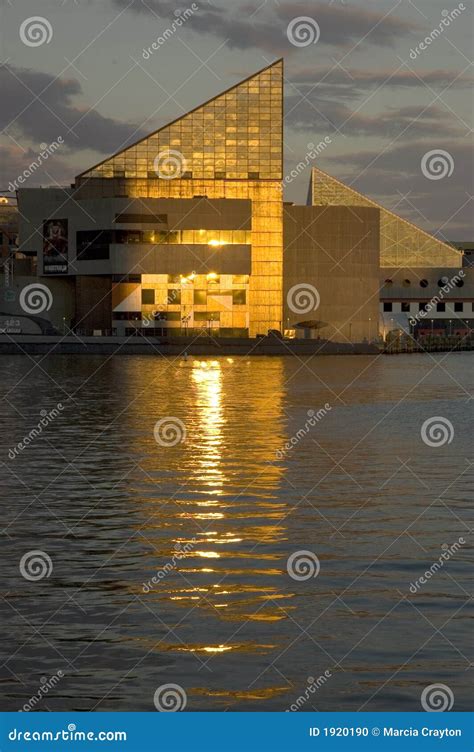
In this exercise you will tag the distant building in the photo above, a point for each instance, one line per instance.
(8, 226)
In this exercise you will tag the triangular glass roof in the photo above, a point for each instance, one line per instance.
(236, 135)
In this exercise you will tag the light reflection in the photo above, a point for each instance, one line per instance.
(206, 377)
(208, 554)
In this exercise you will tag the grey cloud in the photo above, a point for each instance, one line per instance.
(317, 115)
(54, 112)
(353, 83)
(264, 25)
(15, 162)
(347, 25)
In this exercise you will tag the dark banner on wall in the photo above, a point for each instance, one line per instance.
(55, 246)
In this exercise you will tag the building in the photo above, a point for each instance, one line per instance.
(422, 288)
(427, 302)
(185, 232)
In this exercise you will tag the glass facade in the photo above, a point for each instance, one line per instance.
(236, 136)
(216, 303)
(230, 147)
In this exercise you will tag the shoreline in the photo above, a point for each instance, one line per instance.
(39, 345)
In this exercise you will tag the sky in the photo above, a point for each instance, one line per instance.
(394, 112)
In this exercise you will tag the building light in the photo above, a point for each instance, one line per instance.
(217, 243)
(211, 276)
(189, 278)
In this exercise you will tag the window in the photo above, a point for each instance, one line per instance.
(442, 281)
(458, 307)
(406, 283)
(148, 297)
(240, 279)
(174, 279)
(174, 297)
(127, 315)
(239, 297)
(440, 307)
(93, 244)
(389, 282)
(387, 307)
(405, 308)
(421, 306)
(423, 283)
(207, 316)
(200, 297)
(171, 316)
(459, 282)
(126, 277)
(128, 236)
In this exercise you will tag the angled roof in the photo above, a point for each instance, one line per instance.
(236, 134)
(402, 244)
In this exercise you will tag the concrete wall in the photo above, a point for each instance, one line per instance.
(39, 293)
(37, 205)
(93, 303)
(334, 250)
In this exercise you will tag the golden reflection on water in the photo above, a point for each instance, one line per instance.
(206, 379)
(227, 510)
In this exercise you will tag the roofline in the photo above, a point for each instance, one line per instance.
(172, 122)
(381, 206)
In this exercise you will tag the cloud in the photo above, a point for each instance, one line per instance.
(39, 107)
(351, 84)
(264, 26)
(348, 25)
(316, 115)
(16, 161)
